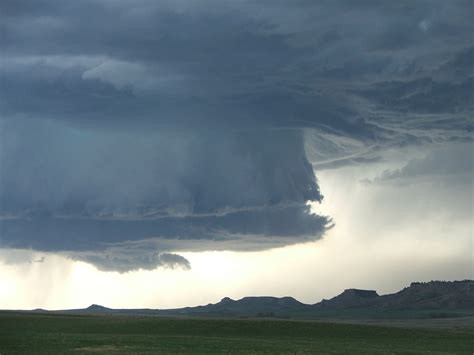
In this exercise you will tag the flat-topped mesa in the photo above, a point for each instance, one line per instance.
(445, 284)
(351, 297)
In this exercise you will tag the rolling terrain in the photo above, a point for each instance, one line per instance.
(435, 299)
(434, 317)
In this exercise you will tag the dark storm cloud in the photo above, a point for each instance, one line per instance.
(196, 125)
(64, 171)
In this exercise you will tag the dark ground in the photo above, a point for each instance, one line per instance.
(56, 334)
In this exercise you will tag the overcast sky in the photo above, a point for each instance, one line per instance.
(232, 147)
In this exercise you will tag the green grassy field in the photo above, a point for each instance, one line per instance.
(56, 334)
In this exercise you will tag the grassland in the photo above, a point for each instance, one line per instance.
(57, 334)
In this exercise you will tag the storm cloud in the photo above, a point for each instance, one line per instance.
(130, 131)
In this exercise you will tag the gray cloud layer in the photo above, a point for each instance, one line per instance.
(195, 126)
(452, 162)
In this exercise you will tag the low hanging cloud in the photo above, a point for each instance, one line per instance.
(59, 194)
(180, 126)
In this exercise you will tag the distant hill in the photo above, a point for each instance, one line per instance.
(420, 300)
(349, 298)
(429, 295)
(95, 308)
(247, 306)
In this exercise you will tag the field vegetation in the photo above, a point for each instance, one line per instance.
(57, 333)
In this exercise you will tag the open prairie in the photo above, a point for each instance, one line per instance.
(56, 334)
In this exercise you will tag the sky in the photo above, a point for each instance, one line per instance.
(166, 154)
